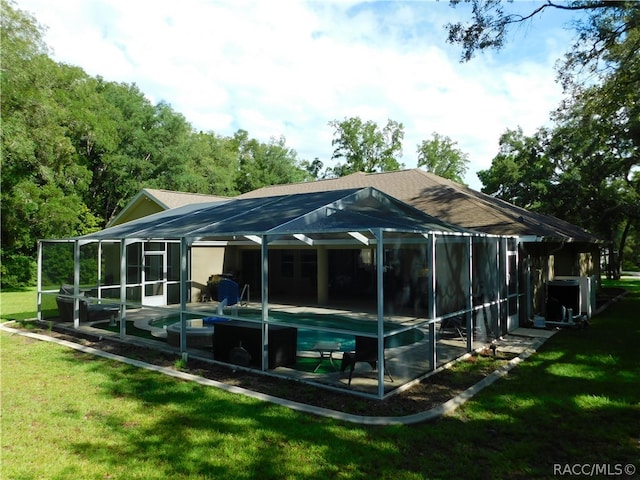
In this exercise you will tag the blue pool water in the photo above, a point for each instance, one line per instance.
(309, 337)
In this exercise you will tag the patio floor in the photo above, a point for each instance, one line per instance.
(405, 363)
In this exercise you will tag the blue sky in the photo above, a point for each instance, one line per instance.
(288, 67)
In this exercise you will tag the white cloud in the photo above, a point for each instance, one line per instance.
(289, 67)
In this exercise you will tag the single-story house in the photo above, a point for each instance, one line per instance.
(549, 248)
(354, 273)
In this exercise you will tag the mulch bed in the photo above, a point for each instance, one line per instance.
(428, 393)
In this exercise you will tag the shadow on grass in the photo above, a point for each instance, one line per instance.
(195, 430)
(575, 401)
(16, 289)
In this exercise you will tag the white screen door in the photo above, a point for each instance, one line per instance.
(154, 292)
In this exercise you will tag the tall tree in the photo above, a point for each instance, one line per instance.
(314, 169)
(521, 173)
(605, 23)
(595, 143)
(596, 146)
(212, 165)
(263, 164)
(441, 156)
(42, 182)
(365, 147)
(120, 172)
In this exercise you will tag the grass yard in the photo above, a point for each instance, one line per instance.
(67, 415)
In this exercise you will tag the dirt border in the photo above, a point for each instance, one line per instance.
(430, 398)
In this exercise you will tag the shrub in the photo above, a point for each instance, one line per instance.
(17, 270)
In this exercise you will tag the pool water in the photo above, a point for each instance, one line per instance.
(307, 338)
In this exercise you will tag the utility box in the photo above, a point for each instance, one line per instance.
(562, 296)
(588, 288)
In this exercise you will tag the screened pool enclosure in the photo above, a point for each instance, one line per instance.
(351, 290)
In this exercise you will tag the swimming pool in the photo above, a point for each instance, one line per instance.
(308, 337)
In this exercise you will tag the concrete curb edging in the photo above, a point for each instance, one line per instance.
(431, 414)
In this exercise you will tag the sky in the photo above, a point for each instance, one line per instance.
(289, 67)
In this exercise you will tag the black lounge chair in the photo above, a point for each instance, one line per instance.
(455, 325)
(89, 312)
(366, 351)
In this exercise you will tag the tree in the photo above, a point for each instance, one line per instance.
(597, 147)
(365, 147)
(314, 169)
(42, 183)
(594, 146)
(605, 24)
(441, 156)
(212, 165)
(586, 169)
(263, 164)
(521, 173)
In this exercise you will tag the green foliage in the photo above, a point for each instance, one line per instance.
(265, 164)
(522, 172)
(441, 156)
(314, 169)
(585, 168)
(16, 270)
(76, 149)
(603, 25)
(365, 147)
(606, 45)
(211, 165)
(57, 263)
(597, 140)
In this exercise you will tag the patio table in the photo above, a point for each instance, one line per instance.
(113, 311)
(326, 349)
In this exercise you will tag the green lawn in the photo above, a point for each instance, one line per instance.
(67, 415)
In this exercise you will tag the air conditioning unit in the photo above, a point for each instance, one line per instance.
(587, 285)
(563, 301)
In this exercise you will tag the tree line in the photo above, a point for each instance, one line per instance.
(76, 148)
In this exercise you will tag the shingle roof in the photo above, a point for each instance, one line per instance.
(159, 200)
(170, 199)
(446, 200)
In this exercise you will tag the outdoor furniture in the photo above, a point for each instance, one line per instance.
(366, 351)
(248, 335)
(89, 311)
(326, 349)
(113, 311)
(453, 324)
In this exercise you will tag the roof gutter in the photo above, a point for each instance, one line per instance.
(530, 239)
(542, 239)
